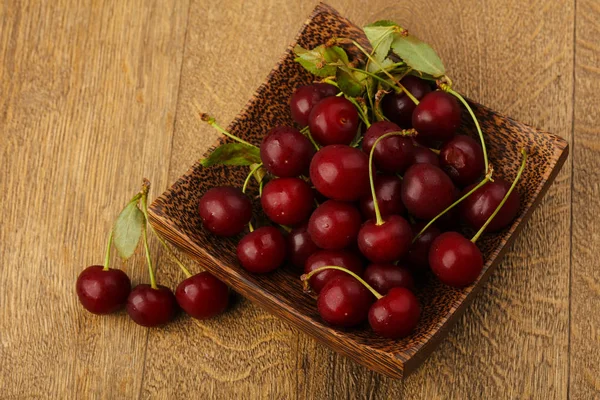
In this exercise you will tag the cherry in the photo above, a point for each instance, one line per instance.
(418, 254)
(334, 120)
(424, 155)
(285, 152)
(323, 258)
(396, 314)
(427, 191)
(262, 250)
(102, 291)
(344, 302)
(383, 277)
(287, 201)
(462, 159)
(393, 154)
(306, 97)
(300, 246)
(225, 210)
(334, 225)
(479, 206)
(387, 241)
(151, 307)
(455, 260)
(340, 172)
(202, 296)
(388, 192)
(436, 118)
(398, 107)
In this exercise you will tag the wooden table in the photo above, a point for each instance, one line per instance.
(95, 95)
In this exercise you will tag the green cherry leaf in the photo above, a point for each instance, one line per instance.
(382, 22)
(349, 82)
(418, 55)
(128, 228)
(232, 154)
(315, 60)
(381, 38)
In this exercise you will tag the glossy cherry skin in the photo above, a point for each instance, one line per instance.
(287, 201)
(396, 314)
(151, 307)
(424, 155)
(388, 193)
(300, 246)
(262, 250)
(333, 120)
(383, 277)
(436, 118)
(387, 242)
(392, 154)
(225, 210)
(455, 260)
(340, 172)
(102, 292)
(427, 191)
(462, 159)
(481, 204)
(418, 254)
(344, 302)
(339, 258)
(306, 97)
(398, 107)
(202, 296)
(334, 225)
(285, 152)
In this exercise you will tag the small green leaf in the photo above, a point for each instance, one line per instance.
(349, 82)
(232, 154)
(336, 53)
(128, 228)
(381, 38)
(314, 61)
(418, 55)
(259, 174)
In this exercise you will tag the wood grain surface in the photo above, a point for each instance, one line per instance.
(96, 95)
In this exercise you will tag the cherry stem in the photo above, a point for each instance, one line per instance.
(406, 132)
(108, 247)
(436, 151)
(252, 171)
(485, 180)
(211, 121)
(361, 112)
(510, 190)
(306, 131)
(306, 277)
(146, 247)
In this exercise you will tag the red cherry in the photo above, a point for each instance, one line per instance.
(383, 277)
(262, 250)
(333, 120)
(306, 97)
(225, 210)
(202, 296)
(344, 302)
(398, 107)
(340, 172)
(392, 154)
(418, 254)
(338, 258)
(436, 118)
(455, 260)
(481, 204)
(102, 292)
(287, 201)
(151, 307)
(386, 242)
(427, 191)
(425, 155)
(285, 152)
(462, 159)
(388, 192)
(300, 246)
(334, 225)
(396, 314)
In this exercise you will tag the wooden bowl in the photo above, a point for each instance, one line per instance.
(175, 215)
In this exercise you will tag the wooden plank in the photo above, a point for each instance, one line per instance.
(87, 108)
(585, 277)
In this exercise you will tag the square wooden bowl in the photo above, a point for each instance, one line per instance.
(175, 215)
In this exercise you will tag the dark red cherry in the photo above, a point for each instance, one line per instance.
(306, 97)
(340, 172)
(344, 302)
(225, 210)
(285, 152)
(151, 307)
(462, 159)
(389, 199)
(396, 314)
(424, 155)
(455, 260)
(334, 225)
(427, 191)
(436, 118)
(481, 204)
(300, 246)
(418, 254)
(392, 154)
(383, 277)
(262, 250)
(398, 107)
(338, 258)
(386, 242)
(334, 120)
(287, 201)
(202, 296)
(102, 292)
